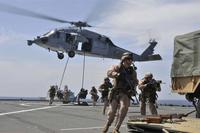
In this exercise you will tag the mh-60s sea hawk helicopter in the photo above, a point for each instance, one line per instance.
(78, 40)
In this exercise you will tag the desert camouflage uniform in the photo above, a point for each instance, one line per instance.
(52, 93)
(94, 96)
(82, 94)
(121, 92)
(104, 89)
(148, 93)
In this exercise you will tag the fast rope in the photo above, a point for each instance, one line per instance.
(83, 75)
(63, 74)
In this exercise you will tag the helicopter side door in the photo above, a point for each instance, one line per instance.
(71, 40)
(87, 46)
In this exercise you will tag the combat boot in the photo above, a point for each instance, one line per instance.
(115, 131)
(105, 129)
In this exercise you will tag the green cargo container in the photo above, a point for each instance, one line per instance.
(185, 71)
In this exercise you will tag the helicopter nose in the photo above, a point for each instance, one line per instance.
(40, 40)
(44, 39)
(29, 42)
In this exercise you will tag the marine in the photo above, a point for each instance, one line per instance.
(125, 81)
(148, 87)
(66, 94)
(52, 93)
(94, 95)
(104, 90)
(81, 95)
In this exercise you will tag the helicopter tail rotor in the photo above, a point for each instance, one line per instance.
(148, 54)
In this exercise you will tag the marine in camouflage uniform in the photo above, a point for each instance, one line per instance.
(52, 93)
(148, 87)
(66, 94)
(104, 90)
(82, 95)
(94, 96)
(121, 93)
(60, 94)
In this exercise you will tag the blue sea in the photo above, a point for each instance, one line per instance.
(2, 98)
(175, 102)
(161, 102)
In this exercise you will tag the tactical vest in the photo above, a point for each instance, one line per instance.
(121, 82)
(83, 93)
(105, 88)
(52, 92)
(149, 91)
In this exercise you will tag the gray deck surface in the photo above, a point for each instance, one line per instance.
(38, 117)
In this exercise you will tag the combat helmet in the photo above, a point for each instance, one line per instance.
(126, 55)
(148, 75)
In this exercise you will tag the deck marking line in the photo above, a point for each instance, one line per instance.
(86, 128)
(24, 104)
(28, 110)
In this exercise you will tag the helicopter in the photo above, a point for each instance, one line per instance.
(76, 39)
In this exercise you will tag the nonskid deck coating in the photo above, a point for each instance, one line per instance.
(38, 117)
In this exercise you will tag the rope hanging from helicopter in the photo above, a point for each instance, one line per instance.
(83, 74)
(63, 74)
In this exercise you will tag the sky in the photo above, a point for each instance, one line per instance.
(30, 70)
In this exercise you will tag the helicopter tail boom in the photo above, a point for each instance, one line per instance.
(151, 57)
(148, 54)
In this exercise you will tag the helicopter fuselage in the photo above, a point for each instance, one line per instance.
(85, 42)
(77, 40)
(80, 41)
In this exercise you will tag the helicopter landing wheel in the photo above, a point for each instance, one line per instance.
(71, 54)
(60, 55)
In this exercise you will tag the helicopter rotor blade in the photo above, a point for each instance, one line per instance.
(24, 12)
(101, 10)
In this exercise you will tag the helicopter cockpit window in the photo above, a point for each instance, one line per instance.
(109, 41)
(49, 33)
(44, 39)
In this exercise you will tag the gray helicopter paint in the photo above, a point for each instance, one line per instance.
(70, 39)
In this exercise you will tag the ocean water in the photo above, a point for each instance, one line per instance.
(22, 98)
(161, 102)
(175, 102)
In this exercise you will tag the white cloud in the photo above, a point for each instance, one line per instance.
(141, 20)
